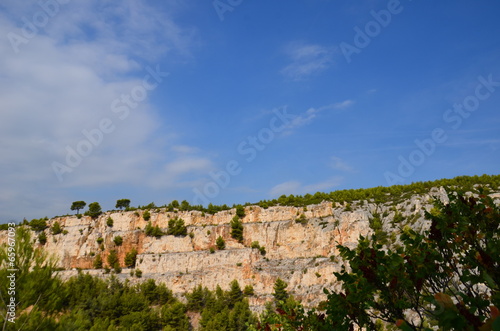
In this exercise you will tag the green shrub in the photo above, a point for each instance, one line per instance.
(39, 224)
(42, 238)
(237, 229)
(109, 222)
(146, 215)
(153, 231)
(255, 244)
(248, 290)
(221, 243)
(100, 240)
(302, 219)
(98, 262)
(138, 273)
(118, 240)
(176, 227)
(56, 228)
(130, 258)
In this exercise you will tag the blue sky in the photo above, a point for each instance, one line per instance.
(238, 101)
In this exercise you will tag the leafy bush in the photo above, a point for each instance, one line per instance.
(118, 240)
(109, 222)
(94, 210)
(146, 215)
(98, 262)
(426, 275)
(240, 211)
(220, 243)
(248, 290)
(237, 229)
(42, 238)
(56, 228)
(130, 258)
(176, 227)
(301, 219)
(39, 224)
(153, 231)
(255, 244)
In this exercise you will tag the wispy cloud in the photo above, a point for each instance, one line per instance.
(312, 113)
(338, 164)
(306, 60)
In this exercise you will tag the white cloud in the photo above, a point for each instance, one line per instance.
(338, 164)
(63, 81)
(306, 60)
(312, 113)
(296, 187)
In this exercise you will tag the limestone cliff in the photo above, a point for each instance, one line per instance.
(304, 254)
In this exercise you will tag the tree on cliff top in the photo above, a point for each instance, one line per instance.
(94, 210)
(77, 205)
(122, 203)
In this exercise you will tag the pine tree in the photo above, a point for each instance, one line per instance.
(237, 229)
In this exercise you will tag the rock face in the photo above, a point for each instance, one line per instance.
(304, 254)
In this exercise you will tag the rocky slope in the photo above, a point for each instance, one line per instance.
(304, 254)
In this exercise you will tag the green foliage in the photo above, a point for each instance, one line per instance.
(237, 229)
(98, 262)
(221, 310)
(176, 227)
(39, 224)
(240, 211)
(113, 259)
(220, 243)
(280, 293)
(291, 316)
(122, 203)
(255, 244)
(138, 273)
(262, 250)
(434, 274)
(56, 228)
(301, 219)
(100, 240)
(42, 238)
(109, 222)
(174, 317)
(37, 294)
(130, 258)
(94, 210)
(248, 290)
(118, 240)
(146, 215)
(77, 205)
(153, 231)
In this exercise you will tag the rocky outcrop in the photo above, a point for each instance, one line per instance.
(304, 254)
